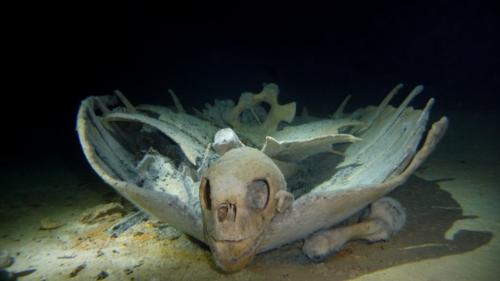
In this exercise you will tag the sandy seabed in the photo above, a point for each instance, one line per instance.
(452, 232)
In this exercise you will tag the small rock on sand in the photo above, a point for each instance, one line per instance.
(48, 224)
(6, 259)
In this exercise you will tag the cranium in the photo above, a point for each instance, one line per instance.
(239, 204)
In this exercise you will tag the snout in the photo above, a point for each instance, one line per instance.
(232, 256)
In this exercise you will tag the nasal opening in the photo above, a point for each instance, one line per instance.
(226, 212)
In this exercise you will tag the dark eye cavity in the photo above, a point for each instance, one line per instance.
(258, 194)
(205, 197)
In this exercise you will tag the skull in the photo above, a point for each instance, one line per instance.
(240, 194)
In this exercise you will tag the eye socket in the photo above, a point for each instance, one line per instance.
(258, 194)
(205, 196)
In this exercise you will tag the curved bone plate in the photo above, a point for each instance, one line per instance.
(375, 166)
(381, 155)
(115, 165)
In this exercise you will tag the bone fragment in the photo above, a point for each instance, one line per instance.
(380, 109)
(126, 223)
(204, 162)
(125, 101)
(101, 212)
(225, 140)
(102, 106)
(110, 149)
(177, 102)
(285, 200)
(340, 110)
(386, 100)
(191, 146)
(278, 113)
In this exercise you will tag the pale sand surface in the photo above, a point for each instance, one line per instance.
(464, 167)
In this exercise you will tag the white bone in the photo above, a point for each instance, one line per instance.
(285, 200)
(372, 167)
(387, 217)
(177, 102)
(225, 140)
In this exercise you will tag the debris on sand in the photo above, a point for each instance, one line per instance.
(126, 223)
(77, 270)
(102, 212)
(49, 224)
(102, 275)
(167, 232)
(13, 276)
(66, 257)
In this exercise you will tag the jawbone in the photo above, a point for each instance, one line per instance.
(232, 256)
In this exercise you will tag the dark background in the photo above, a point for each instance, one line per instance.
(316, 53)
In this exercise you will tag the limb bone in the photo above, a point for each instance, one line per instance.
(386, 218)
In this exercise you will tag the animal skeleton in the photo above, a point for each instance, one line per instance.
(322, 180)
